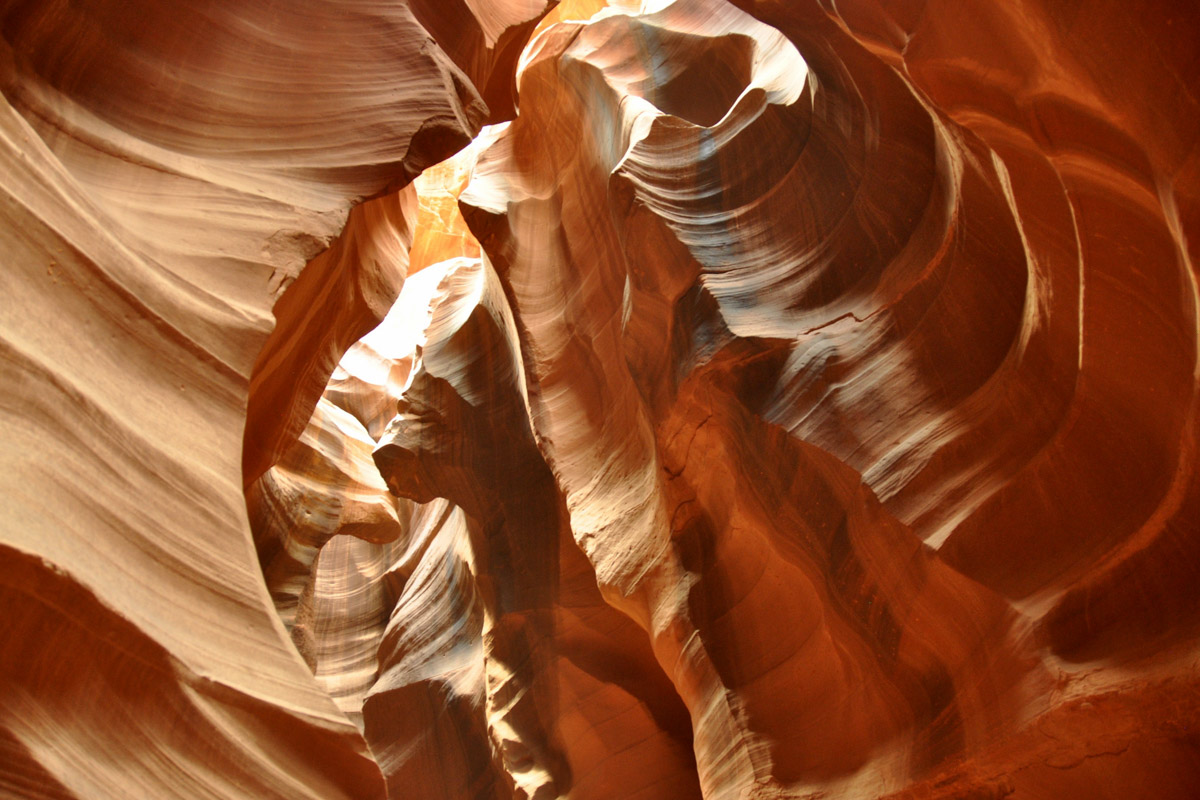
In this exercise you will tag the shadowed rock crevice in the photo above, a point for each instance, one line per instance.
(653, 400)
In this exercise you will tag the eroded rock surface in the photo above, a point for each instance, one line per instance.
(166, 171)
(791, 400)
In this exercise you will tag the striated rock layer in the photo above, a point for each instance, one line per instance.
(791, 400)
(166, 171)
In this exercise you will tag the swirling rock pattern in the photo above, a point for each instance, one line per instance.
(803, 403)
(167, 170)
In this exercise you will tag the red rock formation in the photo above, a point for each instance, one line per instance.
(804, 403)
(167, 169)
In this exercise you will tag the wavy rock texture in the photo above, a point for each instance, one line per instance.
(803, 403)
(833, 314)
(167, 170)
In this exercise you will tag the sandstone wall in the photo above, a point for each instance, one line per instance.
(790, 400)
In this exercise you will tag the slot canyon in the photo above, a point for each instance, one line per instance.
(645, 399)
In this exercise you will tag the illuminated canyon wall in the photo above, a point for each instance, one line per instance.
(764, 400)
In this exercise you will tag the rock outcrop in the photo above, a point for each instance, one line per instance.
(771, 400)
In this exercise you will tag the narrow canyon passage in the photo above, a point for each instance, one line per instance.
(666, 399)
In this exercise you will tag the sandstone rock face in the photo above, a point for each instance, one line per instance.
(167, 170)
(788, 400)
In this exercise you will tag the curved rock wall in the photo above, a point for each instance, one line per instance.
(803, 403)
(166, 170)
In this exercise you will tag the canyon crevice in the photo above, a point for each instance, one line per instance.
(509, 399)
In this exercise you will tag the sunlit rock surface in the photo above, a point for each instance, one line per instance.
(167, 169)
(791, 400)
